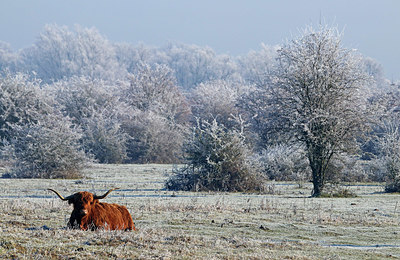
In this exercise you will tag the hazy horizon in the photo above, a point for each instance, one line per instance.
(227, 26)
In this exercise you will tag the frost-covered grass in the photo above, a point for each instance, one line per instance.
(283, 224)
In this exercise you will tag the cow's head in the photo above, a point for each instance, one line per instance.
(82, 201)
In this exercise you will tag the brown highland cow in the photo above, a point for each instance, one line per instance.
(89, 213)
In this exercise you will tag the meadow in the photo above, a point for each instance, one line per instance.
(285, 223)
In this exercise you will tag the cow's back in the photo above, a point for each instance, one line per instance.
(126, 216)
(111, 216)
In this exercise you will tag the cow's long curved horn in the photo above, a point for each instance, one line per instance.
(61, 197)
(105, 194)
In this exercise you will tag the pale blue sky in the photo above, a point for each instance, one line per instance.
(228, 26)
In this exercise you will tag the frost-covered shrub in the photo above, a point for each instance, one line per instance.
(285, 163)
(48, 149)
(218, 160)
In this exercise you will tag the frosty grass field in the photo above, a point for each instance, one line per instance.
(285, 223)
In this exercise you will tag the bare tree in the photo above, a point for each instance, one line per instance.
(316, 97)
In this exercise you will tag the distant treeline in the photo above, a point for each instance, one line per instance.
(74, 96)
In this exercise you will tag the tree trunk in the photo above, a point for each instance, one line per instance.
(318, 167)
(318, 182)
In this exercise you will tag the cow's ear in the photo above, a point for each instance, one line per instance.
(94, 201)
(71, 201)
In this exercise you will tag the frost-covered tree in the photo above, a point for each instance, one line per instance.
(60, 53)
(155, 139)
(8, 58)
(193, 64)
(21, 102)
(385, 139)
(131, 57)
(190, 64)
(154, 88)
(104, 137)
(376, 72)
(390, 146)
(37, 142)
(316, 97)
(159, 114)
(256, 67)
(92, 105)
(217, 100)
(80, 97)
(257, 109)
